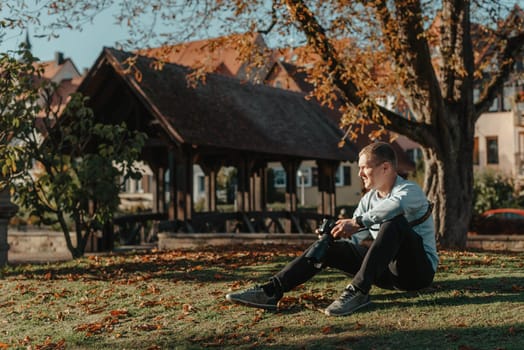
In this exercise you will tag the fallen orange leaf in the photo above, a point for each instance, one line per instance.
(326, 329)
(119, 313)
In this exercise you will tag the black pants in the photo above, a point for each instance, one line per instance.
(395, 260)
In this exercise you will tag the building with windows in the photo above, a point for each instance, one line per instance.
(499, 132)
(499, 143)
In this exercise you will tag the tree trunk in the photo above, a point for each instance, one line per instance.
(449, 185)
(75, 253)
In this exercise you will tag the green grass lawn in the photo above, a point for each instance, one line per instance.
(175, 300)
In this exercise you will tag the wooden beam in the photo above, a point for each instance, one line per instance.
(326, 186)
(291, 168)
(210, 167)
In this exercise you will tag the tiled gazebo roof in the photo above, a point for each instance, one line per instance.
(225, 113)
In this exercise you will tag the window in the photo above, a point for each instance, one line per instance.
(476, 151)
(314, 172)
(476, 95)
(414, 154)
(139, 187)
(279, 179)
(306, 175)
(495, 105)
(201, 183)
(343, 176)
(167, 184)
(509, 95)
(492, 149)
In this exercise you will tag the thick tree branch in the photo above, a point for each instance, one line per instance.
(405, 38)
(318, 39)
(450, 35)
(421, 133)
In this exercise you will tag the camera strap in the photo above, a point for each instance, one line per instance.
(423, 217)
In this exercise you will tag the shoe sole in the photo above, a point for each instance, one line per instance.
(247, 303)
(349, 312)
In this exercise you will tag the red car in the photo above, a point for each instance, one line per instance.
(500, 221)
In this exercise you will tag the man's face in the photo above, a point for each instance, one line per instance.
(372, 173)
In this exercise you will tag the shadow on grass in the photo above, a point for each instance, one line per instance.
(356, 335)
(495, 289)
(201, 268)
(217, 268)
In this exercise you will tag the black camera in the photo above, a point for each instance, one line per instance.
(317, 252)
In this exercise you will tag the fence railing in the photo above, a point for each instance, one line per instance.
(143, 228)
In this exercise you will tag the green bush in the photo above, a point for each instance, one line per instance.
(492, 190)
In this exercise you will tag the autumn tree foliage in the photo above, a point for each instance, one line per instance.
(429, 56)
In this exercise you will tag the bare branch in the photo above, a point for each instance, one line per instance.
(514, 46)
(274, 19)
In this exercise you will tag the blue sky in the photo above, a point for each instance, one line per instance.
(83, 47)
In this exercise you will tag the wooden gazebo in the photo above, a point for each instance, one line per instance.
(214, 122)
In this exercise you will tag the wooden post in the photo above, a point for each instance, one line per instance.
(171, 205)
(211, 167)
(291, 168)
(7, 210)
(243, 186)
(326, 186)
(258, 190)
(184, 188)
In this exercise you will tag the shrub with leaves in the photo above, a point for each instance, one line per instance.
(492, 190)
(60, 162)
(18, 106)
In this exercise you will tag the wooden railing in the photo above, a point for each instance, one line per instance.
(143, 228)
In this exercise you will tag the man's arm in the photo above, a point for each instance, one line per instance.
(407, 199)
(346, 228)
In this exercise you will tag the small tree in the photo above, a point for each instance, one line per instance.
(62, 164)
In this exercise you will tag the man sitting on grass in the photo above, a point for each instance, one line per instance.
(389, 242)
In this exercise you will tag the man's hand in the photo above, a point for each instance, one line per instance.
(345, 228)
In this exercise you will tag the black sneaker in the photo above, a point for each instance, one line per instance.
(350, 301)
(255, 297)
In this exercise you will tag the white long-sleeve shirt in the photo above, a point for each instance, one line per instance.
(406, 198)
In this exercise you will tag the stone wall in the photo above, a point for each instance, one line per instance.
(167, 241)
(508, 243)
(37, 246)
(38, 241)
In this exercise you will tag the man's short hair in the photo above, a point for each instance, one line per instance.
(380, 152)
